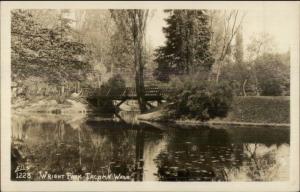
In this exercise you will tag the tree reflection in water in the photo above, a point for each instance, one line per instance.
(196, 155)
(208, 154)
(92, 147)
(56, 147)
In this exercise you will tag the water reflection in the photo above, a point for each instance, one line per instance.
(208, 154)
(120, 148)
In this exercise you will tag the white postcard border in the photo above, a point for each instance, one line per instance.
(8, 185)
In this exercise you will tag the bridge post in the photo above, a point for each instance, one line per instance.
(159, 102)
(149, 104)
(121, 102)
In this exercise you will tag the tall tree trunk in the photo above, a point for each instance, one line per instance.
(135, 20)
(139, 71)
(256, 83)
(218, 71)
(98, 82)
(244, 87)
(138, 27)
(62, 90)
(256, 87)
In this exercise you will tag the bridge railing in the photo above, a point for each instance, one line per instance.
(150, 91)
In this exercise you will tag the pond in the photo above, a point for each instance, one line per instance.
(47, 147)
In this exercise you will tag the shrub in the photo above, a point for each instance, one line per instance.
(271, 87)
(273, 74)
(199, 99)
(114, 85)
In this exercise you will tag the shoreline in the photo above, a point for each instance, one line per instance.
(245, 111)
(72, 106)
(235, 123)
(50, 106)
(212, 122)
(179, 122)
(192, 122)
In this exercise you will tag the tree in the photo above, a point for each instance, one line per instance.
(263, 72)
(261, 44)
(238, 75)
(96, 28)
(272, 72)
(225, 26)
(50, 53)
(239, 49)
(134, 21)
(122, 50)
(187, 46)
(241, 67)
(194, 98)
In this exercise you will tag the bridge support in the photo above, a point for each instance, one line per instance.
(159, 102)
(121, 102)
(104, 99)
(150, 105)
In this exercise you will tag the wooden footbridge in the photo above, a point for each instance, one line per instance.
(151, 93)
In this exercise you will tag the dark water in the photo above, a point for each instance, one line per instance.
(58, 147)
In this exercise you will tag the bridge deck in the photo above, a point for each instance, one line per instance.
(150, 93)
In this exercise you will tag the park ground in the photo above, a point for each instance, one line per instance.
(244, 111)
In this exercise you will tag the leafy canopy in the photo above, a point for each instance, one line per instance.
(50, 53)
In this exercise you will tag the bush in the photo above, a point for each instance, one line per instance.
(273, 74)
(271, 87)
(114, 85)
(200, 99)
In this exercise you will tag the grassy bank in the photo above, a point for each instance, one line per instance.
(260, 110)
(245, 111)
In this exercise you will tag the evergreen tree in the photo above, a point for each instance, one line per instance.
(187, 45)
(50, 53)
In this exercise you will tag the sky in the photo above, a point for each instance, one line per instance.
(278, 22)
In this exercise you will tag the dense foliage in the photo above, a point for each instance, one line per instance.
(53, 54)
(187, 45)
(267, 75)
(273, 74)
(113, 86)
(50, 53)
(187, 56)
(201, 100)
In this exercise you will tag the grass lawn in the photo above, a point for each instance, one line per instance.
(260, 109)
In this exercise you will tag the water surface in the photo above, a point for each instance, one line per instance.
(120, 148)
